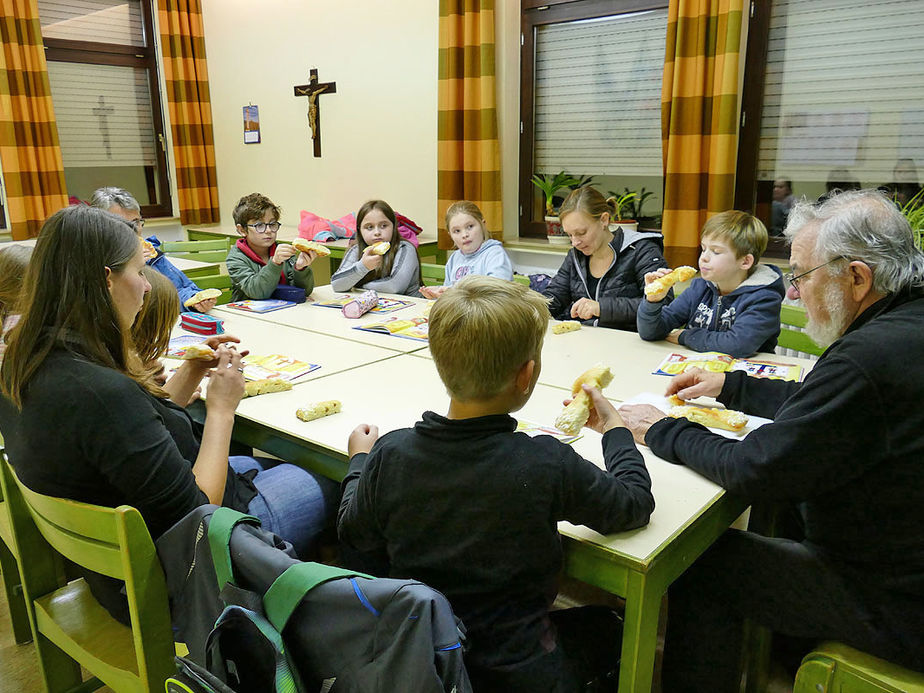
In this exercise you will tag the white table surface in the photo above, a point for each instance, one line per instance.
(396, 397)
(333, 355)
(331, 322)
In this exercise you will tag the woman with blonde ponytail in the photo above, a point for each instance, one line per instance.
(602, 280)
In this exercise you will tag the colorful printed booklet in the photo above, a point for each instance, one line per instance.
(533, 429)
(275, 366)
(178, 344)
(264, 306)
(721, 363)
(385, 305)
(412, 328)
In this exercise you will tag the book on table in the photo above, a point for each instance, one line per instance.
(411, 328)
(717, 362)
(276, 366)
(260, 306)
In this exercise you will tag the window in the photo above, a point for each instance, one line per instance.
(103, 73)
(837, 88)
(591, 74)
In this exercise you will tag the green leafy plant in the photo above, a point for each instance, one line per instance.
(630, 202)
(549, 185)
(581, 182)
(914, 213)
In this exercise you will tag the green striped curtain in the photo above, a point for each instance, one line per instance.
(699, 117)
(30, 152)
(468, 158)
(190, 108)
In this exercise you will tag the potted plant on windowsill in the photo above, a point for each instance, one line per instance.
(549, 185)
(914, 213)
(625, 210)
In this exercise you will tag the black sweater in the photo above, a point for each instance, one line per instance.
(471, 508)
(848, 444)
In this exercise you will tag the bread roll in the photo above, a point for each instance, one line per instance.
(680, 274)
(318, 409)
(711, 417)
(199, 351)
(303, 246)
(575, 415)
(203, 295)
(381, 247)
(262, 387)
(148, 247)
(566, 326)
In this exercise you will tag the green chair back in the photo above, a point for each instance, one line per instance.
(203, 251)
(217, 281)
(794, 316)
(432, 274)
(70, 627)
(836, 667)
(9, 567)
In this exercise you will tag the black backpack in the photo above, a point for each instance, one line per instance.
(341, 631)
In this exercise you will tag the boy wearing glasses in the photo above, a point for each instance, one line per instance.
(122, 203)
(733, 306)
(256, 263)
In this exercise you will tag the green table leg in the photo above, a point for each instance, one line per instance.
(640, 636)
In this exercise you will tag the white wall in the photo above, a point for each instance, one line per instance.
(378, 131)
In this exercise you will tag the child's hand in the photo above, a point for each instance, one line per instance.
(432, 291)
(283, 252)
(370, 259)
(674, 336)
(585, 309)
(652, 276)
(206, 305)
(603, 415)
(362, 439)
(305, 259)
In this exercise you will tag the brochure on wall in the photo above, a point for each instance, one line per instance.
(264, 306)
(178, 345)
(413, 328)
(722, 363)
(385, 305)
(276, 366)
(533, 429)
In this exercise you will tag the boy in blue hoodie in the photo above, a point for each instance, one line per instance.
(734, 306)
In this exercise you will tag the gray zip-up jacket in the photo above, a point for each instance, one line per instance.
(620, 289)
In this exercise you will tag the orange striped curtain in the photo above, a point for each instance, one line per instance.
(468, 159)
(699, 115)
(30, 153)
(190, 108)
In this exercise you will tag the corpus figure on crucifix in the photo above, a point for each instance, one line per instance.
(312, 90)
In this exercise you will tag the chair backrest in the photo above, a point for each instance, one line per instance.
(794, 316)
(204, 251)
(217, 281)
(9, 567)
(110, 541)
(432, 274)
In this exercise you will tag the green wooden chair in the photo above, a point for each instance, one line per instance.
(70, 627)
(203, 251)
(835, 667)
(794, 316)
(216, 281)
(9, 567)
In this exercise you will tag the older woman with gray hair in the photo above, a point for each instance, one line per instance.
(120, 202)
(846, 445)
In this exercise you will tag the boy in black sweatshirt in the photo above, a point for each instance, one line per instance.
(467, 505)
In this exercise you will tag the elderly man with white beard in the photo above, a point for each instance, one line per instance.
(846, 445)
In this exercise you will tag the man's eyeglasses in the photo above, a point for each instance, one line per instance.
(794, 280)
(263, 227)
(137, 223)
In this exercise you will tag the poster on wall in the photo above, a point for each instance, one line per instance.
(251, 125)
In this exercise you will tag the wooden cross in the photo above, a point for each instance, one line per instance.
(312, 90)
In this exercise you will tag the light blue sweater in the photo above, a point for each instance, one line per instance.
(490, 259)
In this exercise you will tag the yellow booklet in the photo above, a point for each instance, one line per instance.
(412, 328)
(721, 363)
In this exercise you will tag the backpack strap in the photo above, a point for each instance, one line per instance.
(288, 590)
(222, 523)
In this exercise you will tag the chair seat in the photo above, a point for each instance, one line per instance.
(74, 621)
(835, 667)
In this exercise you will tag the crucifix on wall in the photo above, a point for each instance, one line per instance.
(313, 90)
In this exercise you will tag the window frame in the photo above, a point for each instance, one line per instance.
(124, 55)
(536, 13)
